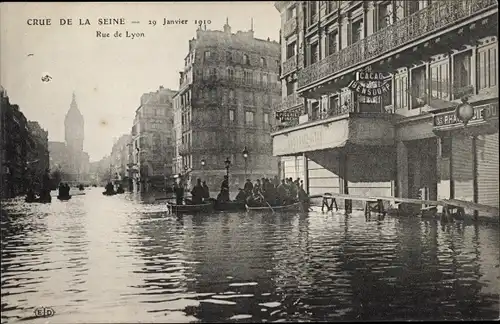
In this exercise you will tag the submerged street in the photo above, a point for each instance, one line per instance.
(118, 259)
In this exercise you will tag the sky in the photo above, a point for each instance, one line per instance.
(108, 75)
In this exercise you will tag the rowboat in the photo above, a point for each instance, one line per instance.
(295, 207)
(229, 206)
(108, 193)
(198, 208)
(64, 197)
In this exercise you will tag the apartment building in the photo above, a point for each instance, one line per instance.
(152, 140)
(370, 90)
(224, 106)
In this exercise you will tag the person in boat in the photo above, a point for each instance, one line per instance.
(224, 191)
(303, 196)
(257, 187)
(248, 188)
(179, 191)
(255, 200)
(198, 193)
(81, 187)
(293, 190)
(241, 197)
(206, 191)
(61, 190)
(282, 192)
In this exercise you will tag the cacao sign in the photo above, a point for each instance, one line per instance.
(363, 79)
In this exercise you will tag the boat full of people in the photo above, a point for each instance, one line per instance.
(110, 190)
(264, 195)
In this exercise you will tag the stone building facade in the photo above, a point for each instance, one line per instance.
(38, 155)
(432, 56)
(152, 141)
(119, 159)
(226, 91)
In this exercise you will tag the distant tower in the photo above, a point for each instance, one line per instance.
(73, 127)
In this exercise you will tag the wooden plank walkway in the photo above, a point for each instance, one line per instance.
(375, 202)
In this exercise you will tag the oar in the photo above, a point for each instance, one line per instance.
(266, 201)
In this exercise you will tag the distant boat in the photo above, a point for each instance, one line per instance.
(108, 193)
(64, 197)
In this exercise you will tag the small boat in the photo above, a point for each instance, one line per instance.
(120, 190)
(64, 197)
(108, 193)
(295, 207)
(199, 208)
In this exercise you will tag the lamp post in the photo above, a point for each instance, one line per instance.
(245, 156)
(185, 175)
(203, 162)
(227, 163)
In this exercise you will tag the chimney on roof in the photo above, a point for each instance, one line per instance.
(161, 87)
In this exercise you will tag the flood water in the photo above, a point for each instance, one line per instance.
(117, 259)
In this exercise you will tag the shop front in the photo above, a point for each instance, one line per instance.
(350, 154)
(468, 157)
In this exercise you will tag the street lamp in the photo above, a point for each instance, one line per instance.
(245, 156)
(203, 162)
(464, 111)
(227, 163)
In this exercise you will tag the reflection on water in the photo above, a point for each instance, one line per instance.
(119, 259)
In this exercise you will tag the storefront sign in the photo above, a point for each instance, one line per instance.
(362, 89)
(370, 76)
(449, 118)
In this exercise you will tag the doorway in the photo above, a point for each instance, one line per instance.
(422, 169)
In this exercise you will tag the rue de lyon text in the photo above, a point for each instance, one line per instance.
(119, 34)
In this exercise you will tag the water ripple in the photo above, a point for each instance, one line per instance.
(124, 259)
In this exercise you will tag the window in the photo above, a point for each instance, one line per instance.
(440, 80)
(229, 56)
(313, 53)
(357, 31)
(264, 78)
(312, 12)
(231, 95)
(245, 59)
(249, 117)
(263, 62)
(231, 115)
(291, 13)
(290, 88)
(334, 105)
(410, 7)
(291, 50)
(487, 67)
(332, 42)
(384, 15)
(462, 74)
(315, 110)
(332, 6)
(401, 91)
(206, 55)
(230, 73)
(418, 87)
(266, 119)
(248, 76)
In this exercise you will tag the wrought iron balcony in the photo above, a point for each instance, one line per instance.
(429, 20)
(290, 27)
(289, 66)
(243, 82)
(289, 102)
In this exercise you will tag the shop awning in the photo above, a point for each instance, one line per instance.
(334, 133)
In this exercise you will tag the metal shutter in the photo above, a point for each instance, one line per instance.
(462, 166)
(487, 169)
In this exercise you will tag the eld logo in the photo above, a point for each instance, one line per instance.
(44, 312)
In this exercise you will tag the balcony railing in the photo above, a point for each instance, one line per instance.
(426, 21)
(289, 102)
(243, 82)
(289, 65)
(290, 27)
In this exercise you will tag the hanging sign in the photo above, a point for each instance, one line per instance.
(364, 84)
